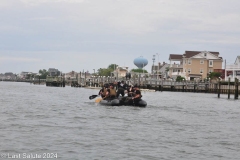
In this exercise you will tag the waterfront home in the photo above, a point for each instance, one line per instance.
(194, 64)
(2, 76)
(79, 77)
(232, 71)
(53, 72)
(160, 70)
(23, 75)
(175, 68)
(120, 72)
(164, 70)
(9, 75)
(71, 75)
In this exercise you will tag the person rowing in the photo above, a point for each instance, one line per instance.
(122, 86)
(103, 91)
(111, 93)
(130, 91)
(136, 96)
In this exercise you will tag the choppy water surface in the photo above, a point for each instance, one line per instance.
(175, 125)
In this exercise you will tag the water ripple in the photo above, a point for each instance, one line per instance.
(174, 125)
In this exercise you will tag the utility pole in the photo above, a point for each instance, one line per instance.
(153, 64)
(158, 66)
(225, 67)
(142, 68)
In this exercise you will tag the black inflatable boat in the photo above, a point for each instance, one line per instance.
(121, 101)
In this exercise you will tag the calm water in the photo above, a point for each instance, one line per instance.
(175, 125)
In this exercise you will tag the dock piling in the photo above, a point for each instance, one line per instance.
(228, 88)
(219, 89)
(236, 88)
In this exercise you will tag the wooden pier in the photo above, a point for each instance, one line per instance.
(217, 87)
(55, 81)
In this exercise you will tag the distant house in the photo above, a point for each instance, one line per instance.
(53, 72)
(71, 75)
(155, 68)
(9, 75)
(163, 71)
(176, 66)
(23, 75)
(2, 76)
(120, 72)
(232, 71)
(194, 64)
(160, 70)
(79, 77)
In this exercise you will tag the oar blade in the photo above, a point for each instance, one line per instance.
(92, 96)
(98, 100)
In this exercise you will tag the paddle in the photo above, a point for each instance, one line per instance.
(92, 96)
(98, 100)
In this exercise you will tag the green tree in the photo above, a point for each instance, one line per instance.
(112, 66)
(104, 72)
(179, 79)
(107, 71)
(139, 70)
(43, 73)
(214, 75)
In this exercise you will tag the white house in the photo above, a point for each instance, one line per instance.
(234, 69)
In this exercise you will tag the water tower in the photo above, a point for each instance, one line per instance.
(140, 62)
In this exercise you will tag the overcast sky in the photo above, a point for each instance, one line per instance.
(91, 34)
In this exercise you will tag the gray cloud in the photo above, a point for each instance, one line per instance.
(81, 34)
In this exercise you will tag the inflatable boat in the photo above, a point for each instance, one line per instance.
(120, 101)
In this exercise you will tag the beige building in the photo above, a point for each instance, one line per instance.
(120, 72)
(71, 75)
(194, 64)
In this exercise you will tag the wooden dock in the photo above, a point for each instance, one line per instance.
(150, 84)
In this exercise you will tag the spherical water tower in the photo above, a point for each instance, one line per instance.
(140, 62)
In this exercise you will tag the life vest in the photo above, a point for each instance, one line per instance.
(112, 92)
(140, 94)
(104, 91)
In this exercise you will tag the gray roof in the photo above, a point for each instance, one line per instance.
(189, 54)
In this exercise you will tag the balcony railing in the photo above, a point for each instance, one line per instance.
(228, 67)
(178, 74)
(232, 78)
(176, 66)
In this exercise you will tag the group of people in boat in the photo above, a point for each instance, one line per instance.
(128, 93)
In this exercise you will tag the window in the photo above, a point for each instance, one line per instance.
(210, 63)
(210, 70)
(205, 54)
(185, 70)
(185, 61)
(189, 70)
(189, 62)
(201, 71)
(201, 61)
